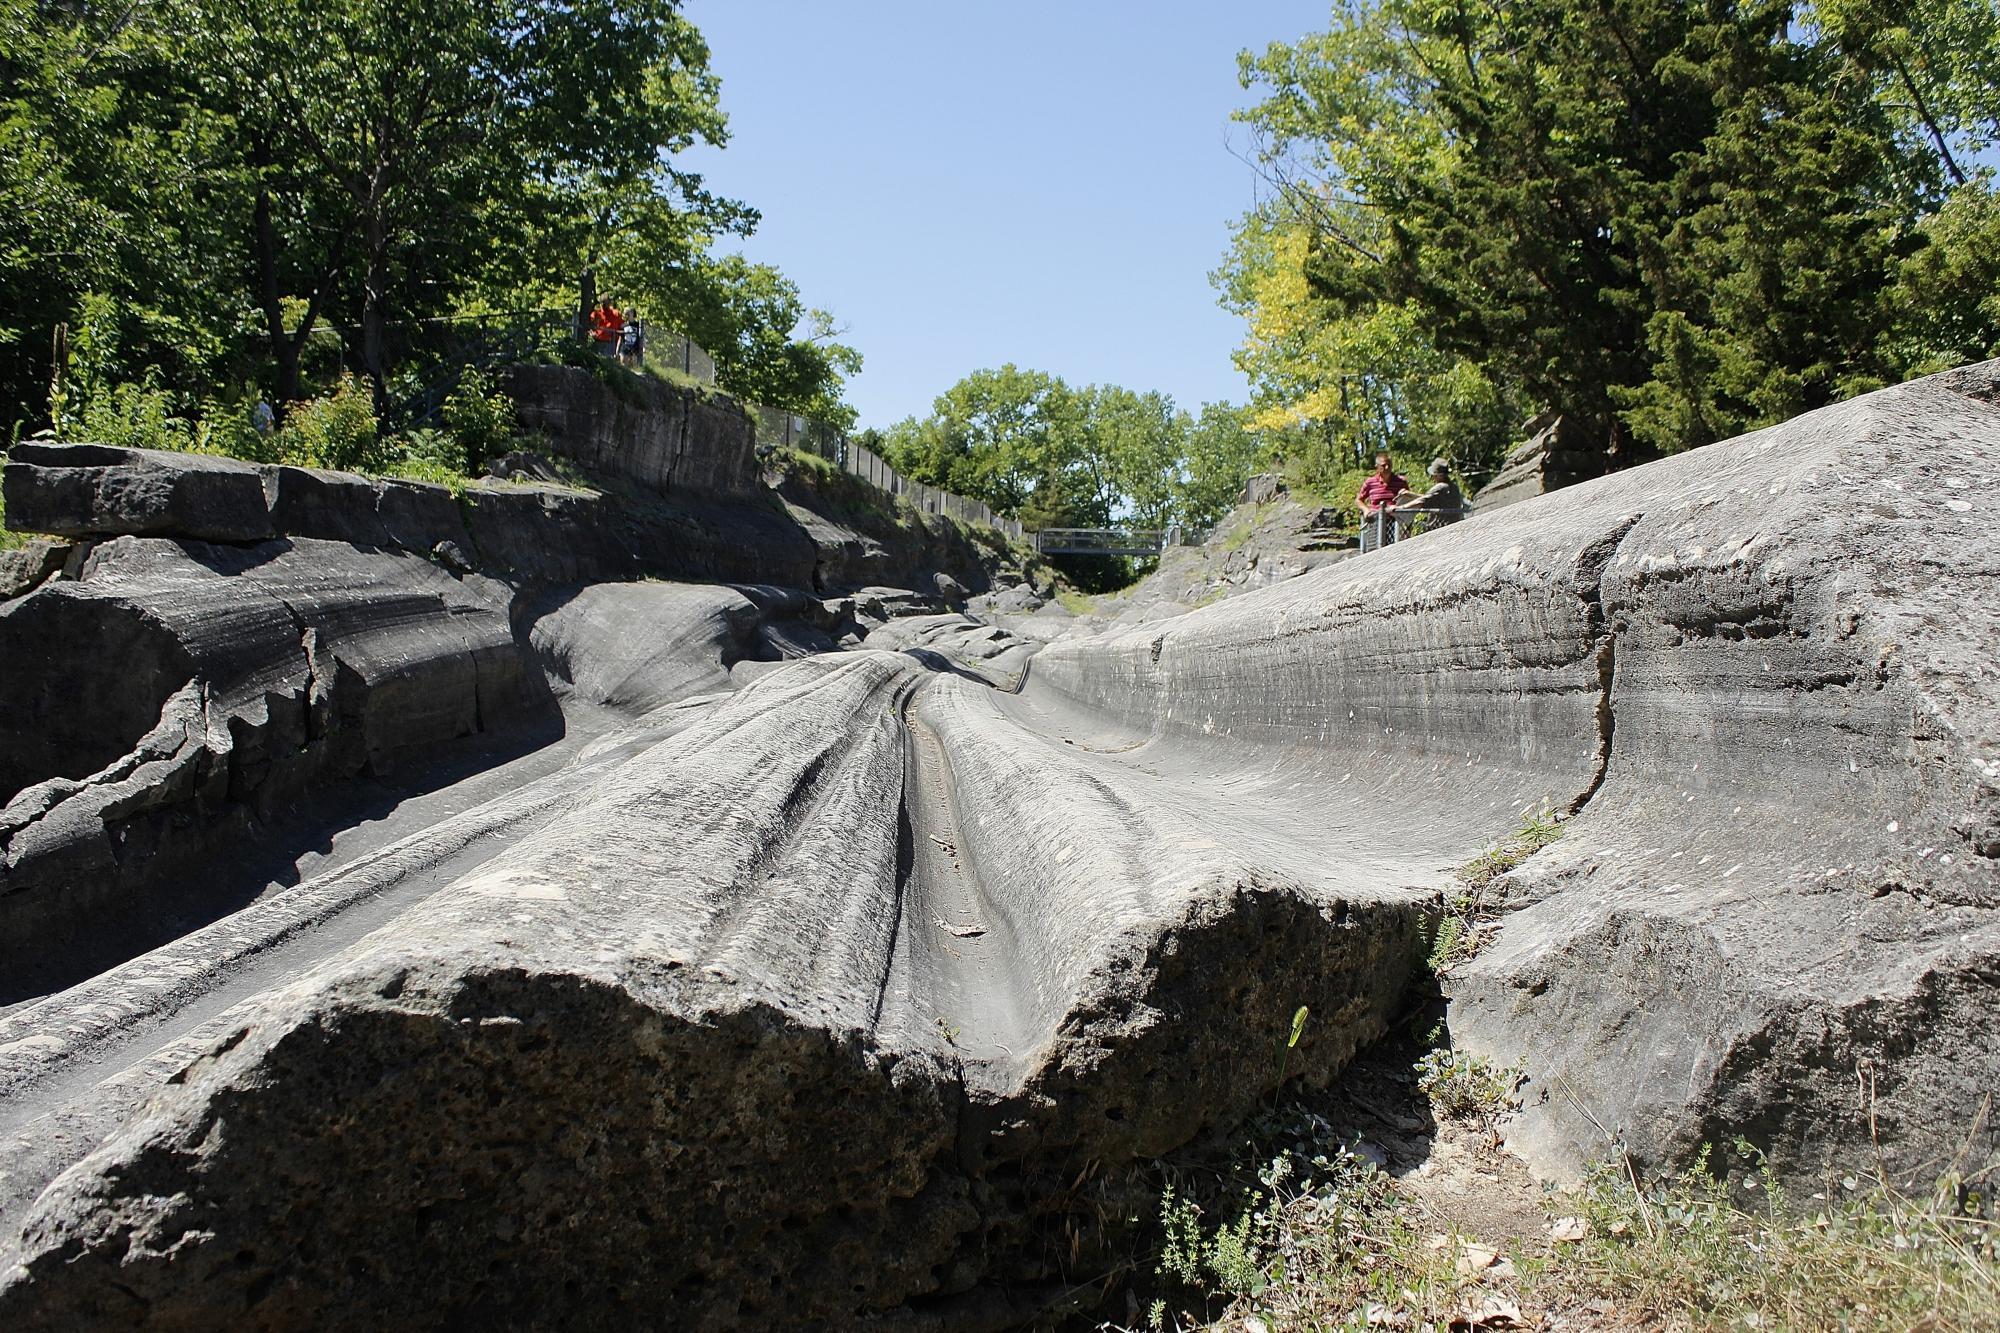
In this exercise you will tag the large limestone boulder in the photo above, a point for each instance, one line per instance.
(89, 490)
(635, 647)
(527, 534)
(661, 436)
(1779, 914)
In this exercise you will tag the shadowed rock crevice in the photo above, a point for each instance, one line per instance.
(1594, 561)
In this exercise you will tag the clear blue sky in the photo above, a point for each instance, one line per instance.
(965, 184)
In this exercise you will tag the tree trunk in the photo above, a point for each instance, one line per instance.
(586, 302)
(284, 348)
(374, 299)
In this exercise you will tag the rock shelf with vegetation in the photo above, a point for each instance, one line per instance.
(792, 984)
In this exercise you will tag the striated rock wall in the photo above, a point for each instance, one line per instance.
(865, 539)
(1762, 676)
(176, 689)
(558, 534)
(641, 429)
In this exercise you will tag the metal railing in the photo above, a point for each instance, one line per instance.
(1115, 541)
(1099, 541)
(813, 437)
(1389, 524)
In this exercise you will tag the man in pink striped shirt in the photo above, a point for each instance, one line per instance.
(1381, 488)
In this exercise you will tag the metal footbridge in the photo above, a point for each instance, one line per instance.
(1112, 541)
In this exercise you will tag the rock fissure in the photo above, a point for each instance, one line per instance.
(1595, 562)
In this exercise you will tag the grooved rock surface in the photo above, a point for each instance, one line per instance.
(1764, 674)
(1780, 914)
(177, 687)
(639, 646)
(766, 1027)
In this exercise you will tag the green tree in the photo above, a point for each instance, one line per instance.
(1672, 220)
(418, 145)
(1031, 446)
(1013, 438)
(110, 185)
(1220, 453)
(271, 191)
(1137, 447)
(768, 346)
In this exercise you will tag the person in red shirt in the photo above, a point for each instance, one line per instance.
(1377, 499)
(606, 327)
(1381, 488)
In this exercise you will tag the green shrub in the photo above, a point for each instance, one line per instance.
(424, 454)
(227, 430)
(480, 419)
(338, 431)
(135, 416)
(1323, 1239)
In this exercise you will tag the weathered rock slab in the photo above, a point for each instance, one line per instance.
(91, 490)
(1763, 676)
(177, 688)
(748, 1036)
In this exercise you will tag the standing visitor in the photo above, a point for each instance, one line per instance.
(1441, 500)
(607, 326)
(632, 347)
(1376, 495)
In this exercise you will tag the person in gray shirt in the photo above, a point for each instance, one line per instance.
(1441, 502)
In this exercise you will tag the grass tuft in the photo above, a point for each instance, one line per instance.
(1684, 1253)
(1467, 920)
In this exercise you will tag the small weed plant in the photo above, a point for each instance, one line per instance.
(1537, 831)
(1464, 926)
(1465, 1086)
(1320, 1238)
(1316, 1239)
